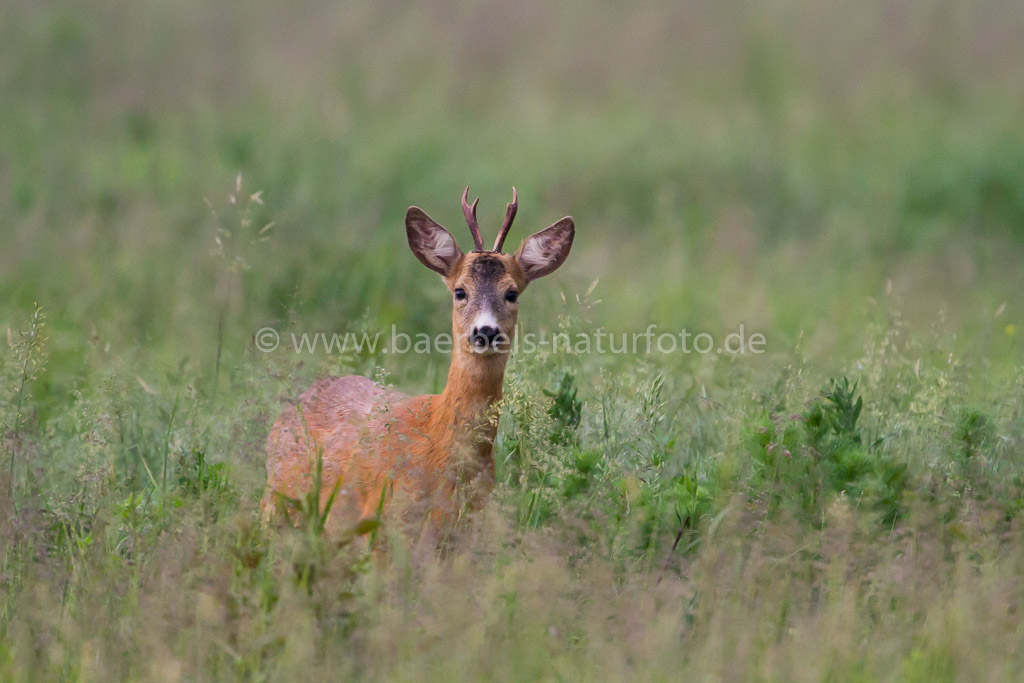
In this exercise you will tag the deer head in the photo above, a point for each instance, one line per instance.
(486, 284)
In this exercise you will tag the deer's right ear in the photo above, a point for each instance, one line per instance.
(433, 245)
(541, 253)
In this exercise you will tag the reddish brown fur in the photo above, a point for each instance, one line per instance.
(435, 452)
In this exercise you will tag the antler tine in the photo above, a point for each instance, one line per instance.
(470, 211)
(510, 215)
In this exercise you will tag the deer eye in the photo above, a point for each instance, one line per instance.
(460, 294)
(511, 296)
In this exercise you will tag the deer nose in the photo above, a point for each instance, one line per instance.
(484, 335)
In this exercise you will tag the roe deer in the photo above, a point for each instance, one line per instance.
(435, 451)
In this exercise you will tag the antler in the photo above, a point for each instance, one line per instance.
(470, 211)
(510, 215)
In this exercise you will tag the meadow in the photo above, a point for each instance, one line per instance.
(845, 179)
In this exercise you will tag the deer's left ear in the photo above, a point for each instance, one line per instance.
(433, 245)
(543, 252)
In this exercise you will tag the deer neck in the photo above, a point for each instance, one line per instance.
(465, 406)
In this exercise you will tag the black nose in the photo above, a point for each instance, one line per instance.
(484, 336)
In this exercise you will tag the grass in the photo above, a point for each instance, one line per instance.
(845, 180)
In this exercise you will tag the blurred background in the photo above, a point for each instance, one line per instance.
(807, 169)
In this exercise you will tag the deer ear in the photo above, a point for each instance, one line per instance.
(433, 245)
(542, 252)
